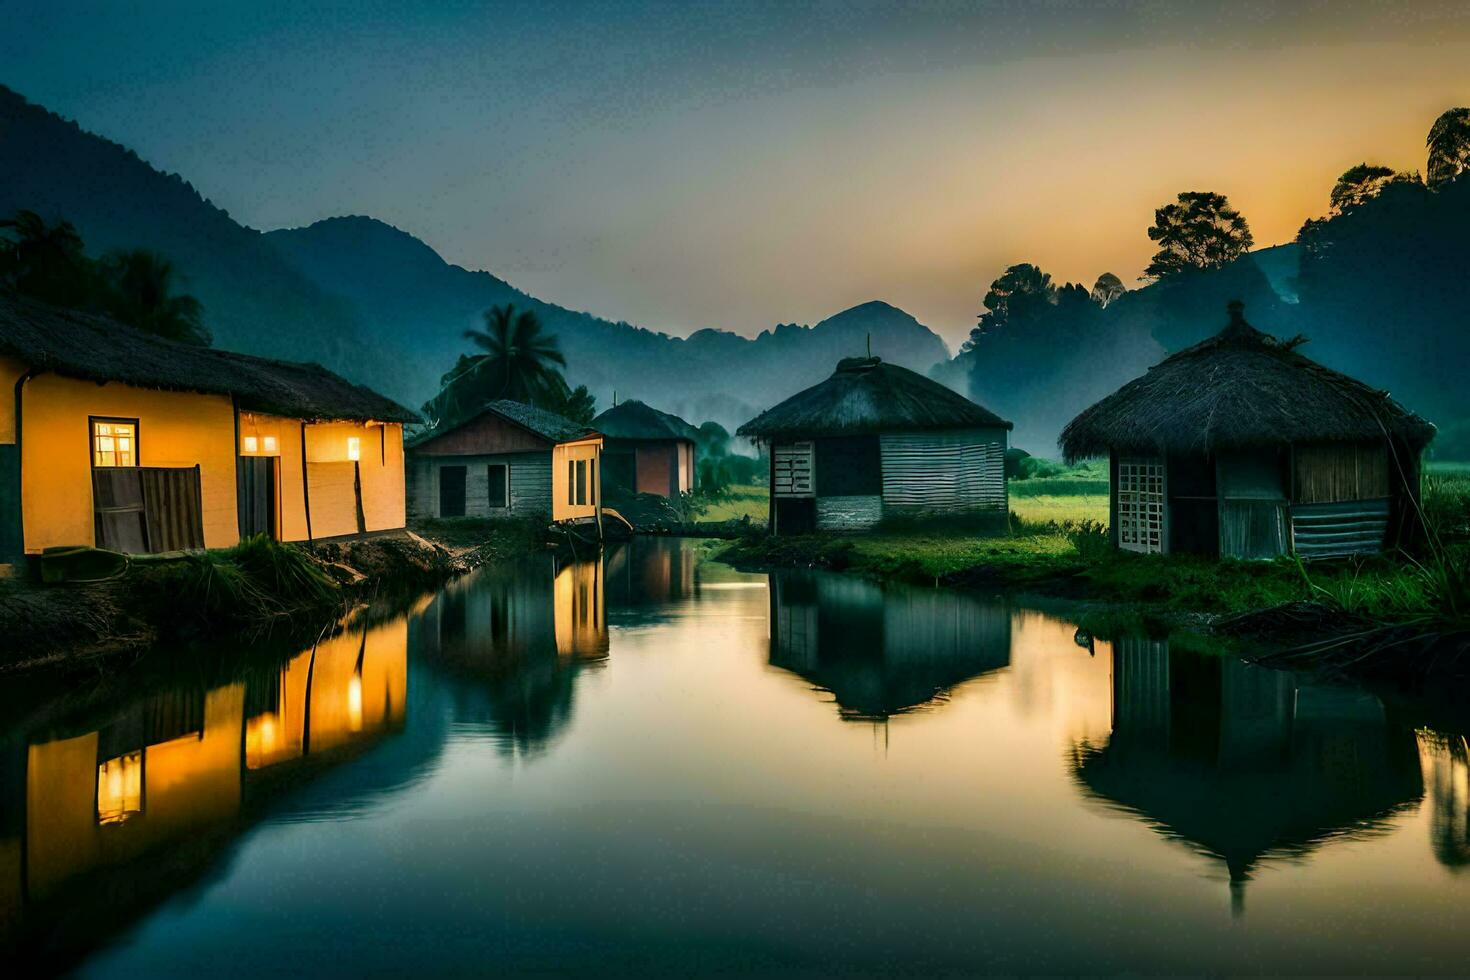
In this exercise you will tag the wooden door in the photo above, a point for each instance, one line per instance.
(451, 491)
(255, 493)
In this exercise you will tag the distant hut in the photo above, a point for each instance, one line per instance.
(645, 450)
(876, 440)
(510, 460)
(1241, 447)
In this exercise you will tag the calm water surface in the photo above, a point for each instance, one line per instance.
(650, 764)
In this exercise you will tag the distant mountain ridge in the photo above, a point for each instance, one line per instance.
(383, 308)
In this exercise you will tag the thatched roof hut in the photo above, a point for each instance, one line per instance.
(1239, 389)
(646, 451)
(95, 348)
(866, 396)
(1242, 446)
(876, 441)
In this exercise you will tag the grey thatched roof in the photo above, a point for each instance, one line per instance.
(1239, 389)
(634, 420)
(865, 395)
(95, 348)
(548, 425)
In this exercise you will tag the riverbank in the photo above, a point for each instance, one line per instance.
(258, 589)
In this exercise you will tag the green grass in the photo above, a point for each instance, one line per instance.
(1060, 509)
(737, 503)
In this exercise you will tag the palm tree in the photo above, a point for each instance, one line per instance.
(141, 293)
(520, 361)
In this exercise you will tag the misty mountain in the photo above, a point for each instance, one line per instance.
(381, 307)
(416, 307)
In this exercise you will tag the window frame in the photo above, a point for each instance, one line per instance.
(581, 470)
(504, 484)
(93, 421)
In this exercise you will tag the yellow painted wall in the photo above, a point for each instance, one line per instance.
(591, 451)
(174, 429)
(333, 497)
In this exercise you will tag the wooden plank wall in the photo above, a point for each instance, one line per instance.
(530, 484)
(941, 471)
(1352, 527)
(1333, 473)
(794, 469)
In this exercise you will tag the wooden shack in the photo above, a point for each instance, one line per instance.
(509, 460)
(877, 440)
(123, 440)
(1242, 447)
(646, 450)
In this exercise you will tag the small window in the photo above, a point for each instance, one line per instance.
(499, 480)
(571, 482)
(114, 442)
(120, 788)
(581, 481)
(592, 479)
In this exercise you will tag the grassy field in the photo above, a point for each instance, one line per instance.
(1034, 501)
(738, 503)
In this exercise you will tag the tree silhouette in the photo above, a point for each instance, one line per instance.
(1199, 231)
(46, 261)
(1449, 146)
(1107, 289)
(519, 361)
(140, 292)
(1013, 294)
(1364, 182)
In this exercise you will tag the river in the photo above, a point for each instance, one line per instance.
(649, 763)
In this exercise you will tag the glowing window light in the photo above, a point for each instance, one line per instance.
(120, 788)
(262, 735)
(354, 703)
(270, 444)
(354, 447)
(251, 444)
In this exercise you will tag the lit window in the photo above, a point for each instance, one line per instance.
(251, 444)
(354, 703)
(120, 788)
(270, 444)
(114, 443)
(354, 447)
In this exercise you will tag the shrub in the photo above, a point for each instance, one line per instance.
(1091, 540)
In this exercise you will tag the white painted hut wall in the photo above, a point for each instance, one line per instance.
(530, 484)
(941, 471)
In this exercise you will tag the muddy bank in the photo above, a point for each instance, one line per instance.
(255, 592)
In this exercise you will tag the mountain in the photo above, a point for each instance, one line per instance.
(381, 307)
(254, 300)
(415, 306)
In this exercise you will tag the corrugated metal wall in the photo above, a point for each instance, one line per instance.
(941, 471)
(1349, 527)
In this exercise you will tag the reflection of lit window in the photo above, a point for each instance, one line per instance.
(251, 444)
(261, 735)
(120, 788)
(354, 447)
(354, 703)
(114, 443)
(270, 444)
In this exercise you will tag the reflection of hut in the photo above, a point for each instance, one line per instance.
(650, 571)
(877, 440)
(646, 451)
(510, 460)
(1240, 761)
(520, 634)
(1239, 446)
(881, 651)
(1445, 760)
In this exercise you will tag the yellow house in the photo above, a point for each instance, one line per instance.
(122, 440)
(510, 460)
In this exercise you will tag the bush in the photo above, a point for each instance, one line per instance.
(1091, 540)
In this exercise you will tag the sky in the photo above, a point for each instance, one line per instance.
(737, 165)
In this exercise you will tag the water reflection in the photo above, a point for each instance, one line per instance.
(517, 637)
(1246, 763)
(882, 652)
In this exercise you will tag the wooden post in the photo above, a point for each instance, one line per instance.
(771, 485)
(357, 492)
(305, 483)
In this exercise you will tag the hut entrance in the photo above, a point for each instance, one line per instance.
(451, 491)
(1140, 494)
(1252, 504)
(255, 493)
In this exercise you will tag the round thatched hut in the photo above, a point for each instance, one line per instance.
(645, 451)
(1241, 447)
(876, 440)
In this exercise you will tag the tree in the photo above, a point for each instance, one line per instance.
(1014, 294)
(1363, 183)
(714, 440)
(140, 292)
(1449, 146)
(1107, 289)
(1199, 231)
(46, 261)
(577, 404)
(520, 361)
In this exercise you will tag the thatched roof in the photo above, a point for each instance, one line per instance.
(95, 348)
(548, 425)
(634, 420)
(1239, 389)
(865, 395)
